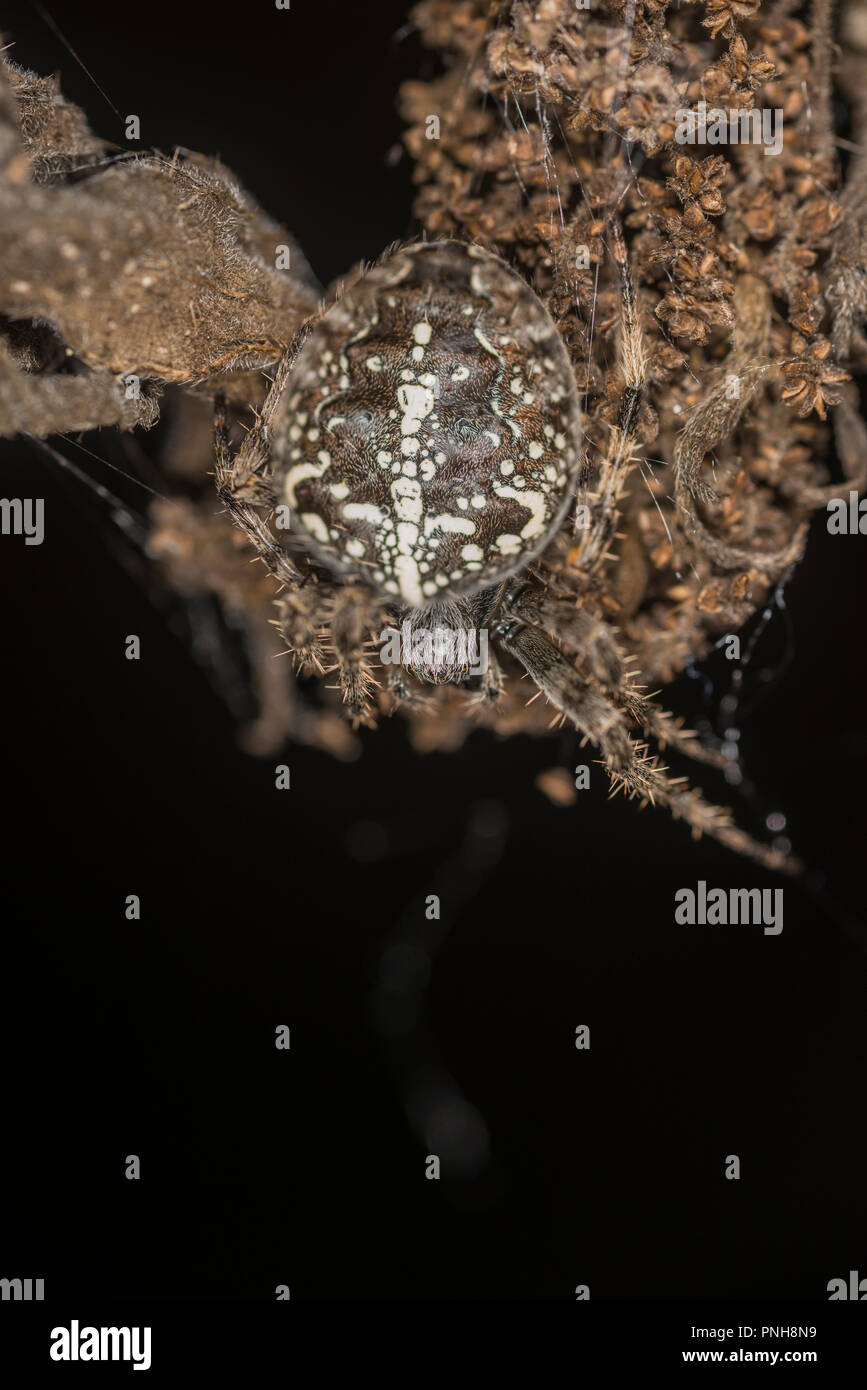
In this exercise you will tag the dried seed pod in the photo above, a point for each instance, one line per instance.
(430, 439)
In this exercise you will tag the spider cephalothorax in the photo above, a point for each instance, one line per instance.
(429, 440)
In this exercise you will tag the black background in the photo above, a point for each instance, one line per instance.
(262, 908)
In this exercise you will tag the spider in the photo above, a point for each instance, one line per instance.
(423, 435)
(418, 468)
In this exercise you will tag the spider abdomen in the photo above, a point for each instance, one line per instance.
(431, 438)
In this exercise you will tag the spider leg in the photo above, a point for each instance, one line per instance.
(712, 420)
(658, 724)
(620, 456)
(630, 767)
(594, 646)
(355, 617)
(493, 682)
(284, 713)
(488, 688)
(301, 613)
(404, 691)
(592, 712)
(196, 548)
(304, 608)
(243, 481)
(587, 636)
